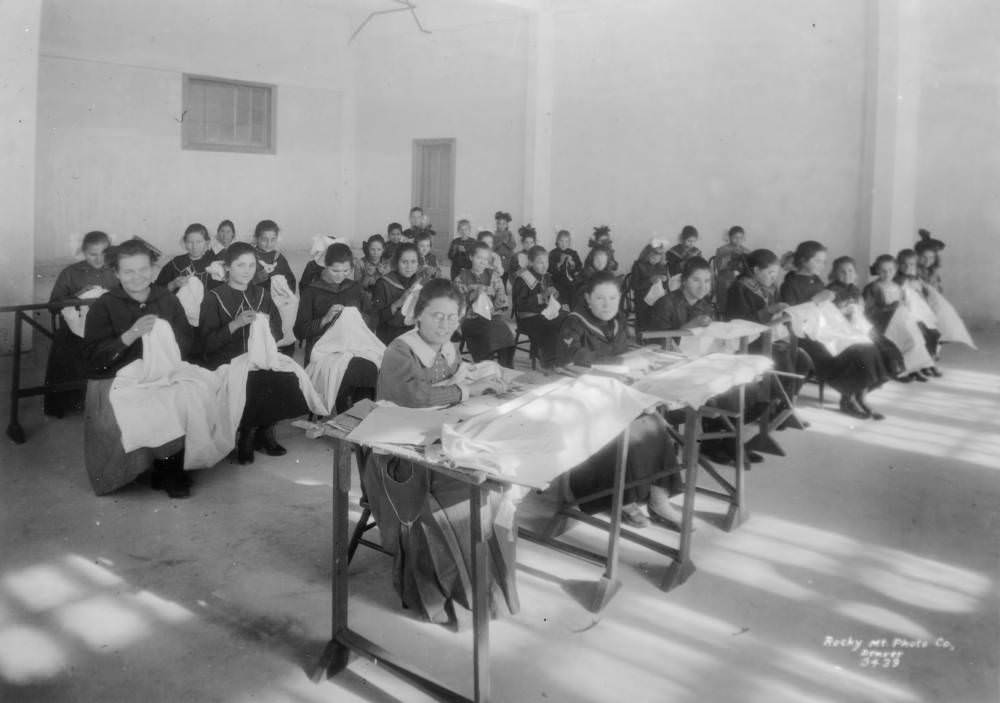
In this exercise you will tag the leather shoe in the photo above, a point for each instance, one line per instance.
(633, 516)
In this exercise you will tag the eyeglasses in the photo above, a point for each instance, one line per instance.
(441, 317)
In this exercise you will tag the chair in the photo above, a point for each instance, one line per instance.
(628, 304)
(522, 341)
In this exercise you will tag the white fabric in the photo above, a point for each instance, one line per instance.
(656, 291)
(317, 251)
(159, 398)
(262, 353)
(483, 306)
(217, 270)
(674, 282)
(903, 331)
(528, 277)
(855, 314)
(288, 307)
(949, 323)
(348, 337)
(693, 383)
(719, 337)
(918, 307)
(76, 318)
(552, 309)
(409, 306)
(547, 431)
(190, 296)
(824, 323)
(423, 350)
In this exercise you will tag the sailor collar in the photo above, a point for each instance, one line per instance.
(423, 351)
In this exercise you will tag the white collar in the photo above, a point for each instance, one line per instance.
(422, 349)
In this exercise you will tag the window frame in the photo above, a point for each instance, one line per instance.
(272, 131)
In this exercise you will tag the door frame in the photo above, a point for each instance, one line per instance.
(415, 178)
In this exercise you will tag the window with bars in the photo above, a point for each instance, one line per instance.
(226, 115)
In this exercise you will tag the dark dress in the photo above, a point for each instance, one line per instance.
(585, 340)
(673, 311)
(274, 259)
(367, 273)
(316, 299)
(388, 289)
(857, 369)
(677, 255)
(108, 465)
(504, 245)
(271, 395)
(486, 337)
(310, 273)
(423, 516)
(644, 275)
(529, 301)
(65, 362)
(184, 264)
(565, 267)
(459, 253)
(728, 265)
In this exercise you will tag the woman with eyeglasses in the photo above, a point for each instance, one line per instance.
(422, 515)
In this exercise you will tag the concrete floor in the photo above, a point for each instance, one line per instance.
(865, 531)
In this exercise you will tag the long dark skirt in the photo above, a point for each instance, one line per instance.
(544, 335)
(358, 382)
(649, 451)
(108, 465)
(857, 369)
(423, 518)
(787, 359)
(486, 337)
(272, 396)
(643, 313)
(65, 364)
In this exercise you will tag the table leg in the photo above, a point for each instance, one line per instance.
(479, 520)
(737, 514)
(336, 655)
(682, 567)
(609, 583)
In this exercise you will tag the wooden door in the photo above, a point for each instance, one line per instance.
(434, 188)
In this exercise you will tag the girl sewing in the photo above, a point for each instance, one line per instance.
(321, 305)
(908, 277)
(729, 262)
(683, 250)
(225, 234)
(519, 260)
(372, 265)
(648, 270)
(88, 277)
(428, 261)
(224, 326)
(272, 264)
(485, 327)
(496, 262)
(460, 250)
(113, 339)
(602, 239)
(422, 515)
(565, 267)
(882, 298)
(856, 370)
(503, 239)
(392, 290)
(597, 261)
(929, 265)
(394, 237)
(690, 305)
(534, 294)
(175, 273)
(596, 333)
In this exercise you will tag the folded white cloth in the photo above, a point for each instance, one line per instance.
(262, 354)
(547, 431)
(949, 323)
(217, 270)
(918, 307)
(693, 383)
(159, 398)
(288, 306)
(348, 337)
(409, 306)
(719, 337)
(483, 306)
(656, 292)
(551, 310)
(190, 295)
(320, 243)
(76, 318)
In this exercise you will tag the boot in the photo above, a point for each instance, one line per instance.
(169, 476)
(266, 442)
(244, 445)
